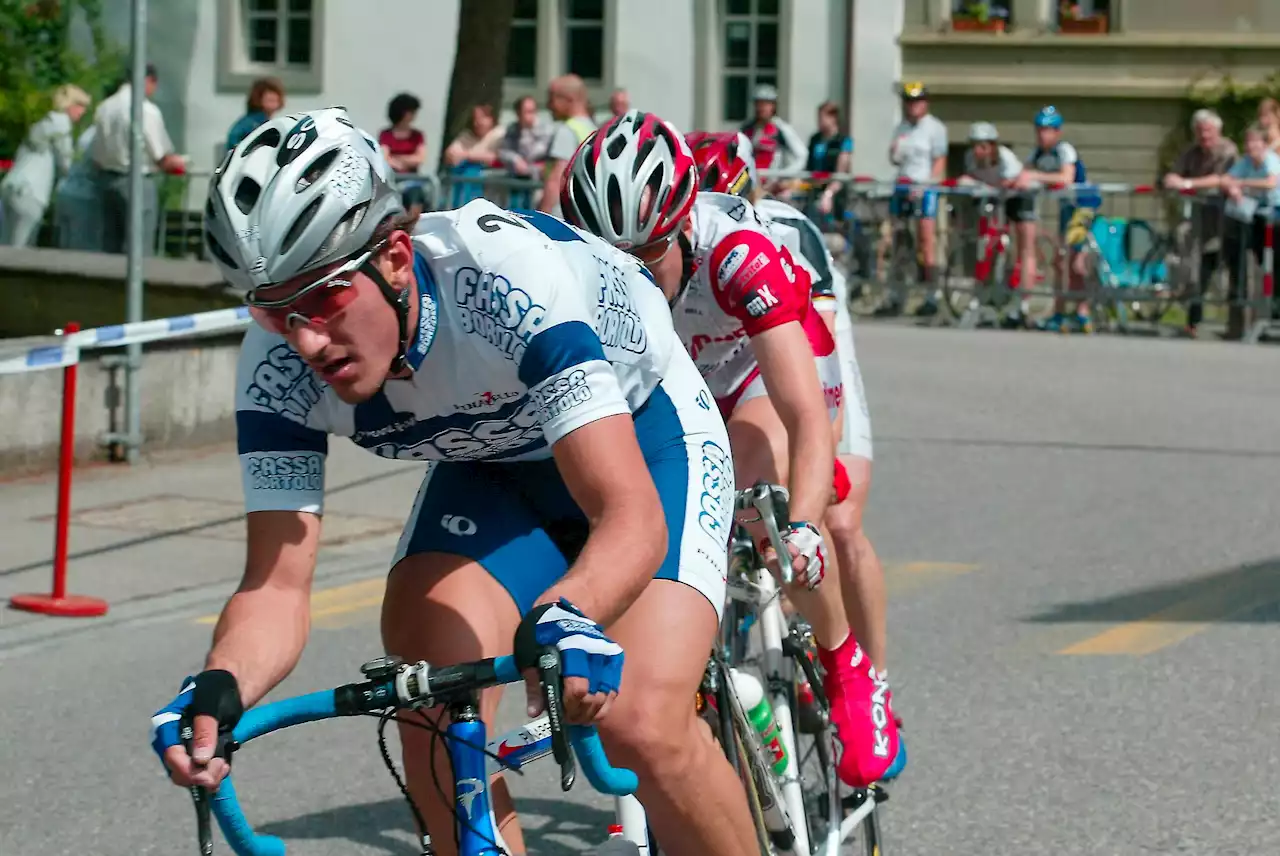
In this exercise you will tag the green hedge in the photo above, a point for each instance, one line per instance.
(36, 57)
(1236, 102)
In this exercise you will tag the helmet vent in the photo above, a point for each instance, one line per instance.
(583, 207)
(218, 252)
(300, 225)
(614, 197)
(318, 168)
(247, 193)
(641, 156)
(268, 138)
(615, 147)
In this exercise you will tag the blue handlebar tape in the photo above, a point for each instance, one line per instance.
(284, 713)
(239, 834)
(505, 669)
(605, 778)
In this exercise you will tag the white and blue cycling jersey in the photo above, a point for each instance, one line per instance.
(528, 330)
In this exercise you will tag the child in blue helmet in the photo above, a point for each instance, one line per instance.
(1054, 161)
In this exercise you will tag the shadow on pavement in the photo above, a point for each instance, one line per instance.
(184, 530)
(548, 826)
(1244, 594)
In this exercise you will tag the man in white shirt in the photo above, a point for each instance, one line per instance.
(110, 151)
(919, 151)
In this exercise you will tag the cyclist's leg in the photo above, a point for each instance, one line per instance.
(695, 802)
(928, 229)
(760, 452)
(444, 606)
(1023, 214)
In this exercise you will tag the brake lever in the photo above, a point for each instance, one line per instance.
(775, 513)
(199, 798)
(552, 697)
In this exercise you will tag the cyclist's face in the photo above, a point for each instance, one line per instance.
(1047, 138)
(915, 108)
(984, 150)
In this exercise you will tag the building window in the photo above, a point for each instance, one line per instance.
(281, 38)
(750, 53)
(522, 50)
(584, 39)
(278, 33)
(1085, 16)
(991, 15)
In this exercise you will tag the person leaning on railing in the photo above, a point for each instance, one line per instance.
(1252, 191)
(1201, 167)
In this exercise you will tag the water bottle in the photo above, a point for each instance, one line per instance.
(760, 714)
(617, 845)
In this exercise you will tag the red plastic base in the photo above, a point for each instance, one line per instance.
(72, 606)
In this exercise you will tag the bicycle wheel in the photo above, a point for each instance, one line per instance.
(958, 287)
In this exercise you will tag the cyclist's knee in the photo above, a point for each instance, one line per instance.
(844, 519)
(652, 733)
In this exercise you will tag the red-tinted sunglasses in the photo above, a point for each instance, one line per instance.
(316, 304)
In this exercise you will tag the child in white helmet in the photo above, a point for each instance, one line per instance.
(990, 163)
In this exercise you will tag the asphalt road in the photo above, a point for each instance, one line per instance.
(1082, 542)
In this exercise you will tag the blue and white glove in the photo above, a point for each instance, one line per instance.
(211, 693)
(808, 542)
(585, 652)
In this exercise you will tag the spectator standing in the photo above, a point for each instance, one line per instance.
(1269, 120)
(111, 149)
(77, 203)
(567, 101)
(830, 150)
(776, 144)
(1250, 187)
(919, 151)
(472, 152)
(619, 102)
(524, 145)
(45, 155)
(405, 148)
(1201, 167)
(266, 98)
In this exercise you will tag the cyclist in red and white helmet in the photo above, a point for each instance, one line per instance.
(741, 306)
(724, 166)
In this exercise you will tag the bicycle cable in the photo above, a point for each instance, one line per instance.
(437, 733)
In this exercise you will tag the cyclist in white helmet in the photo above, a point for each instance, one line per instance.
(579, 494)
(725, 166)
(741, 306)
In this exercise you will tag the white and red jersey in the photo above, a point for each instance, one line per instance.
(744, 282)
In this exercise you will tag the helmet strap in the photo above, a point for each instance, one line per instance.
(399, 300)
(687, 266)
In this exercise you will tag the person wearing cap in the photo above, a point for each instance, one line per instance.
(988, 162)
(1056, 163)
(776, 144)
(919, 151)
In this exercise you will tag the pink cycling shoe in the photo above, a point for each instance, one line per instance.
(866, 735)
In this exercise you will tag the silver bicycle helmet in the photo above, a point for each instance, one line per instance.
(300, 192)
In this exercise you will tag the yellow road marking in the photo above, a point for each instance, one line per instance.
(336, 600)
(1180, 621)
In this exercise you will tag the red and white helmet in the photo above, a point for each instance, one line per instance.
(631, 182)
(725, 163)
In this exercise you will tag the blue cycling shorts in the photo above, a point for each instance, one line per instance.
(904, 204)
(519, 522)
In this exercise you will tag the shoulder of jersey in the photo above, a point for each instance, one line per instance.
(479, 231)
(719, 214)
(777, 209)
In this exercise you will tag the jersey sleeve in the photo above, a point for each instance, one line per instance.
(756, 281)
(814, 248)
(1010, 166)
(570, 381)
(279, 432)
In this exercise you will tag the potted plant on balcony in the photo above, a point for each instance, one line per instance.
(1071, 19)
(979, 16)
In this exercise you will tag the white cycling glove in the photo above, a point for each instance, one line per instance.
(807, 540)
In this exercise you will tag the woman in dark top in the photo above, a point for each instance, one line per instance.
(830, 150)
(266, 98)
(405, 148)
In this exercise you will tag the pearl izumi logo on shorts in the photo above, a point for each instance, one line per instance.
(458, 525)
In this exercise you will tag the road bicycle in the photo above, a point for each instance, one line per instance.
(795, 798)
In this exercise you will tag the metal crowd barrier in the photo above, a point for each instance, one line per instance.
(65, 354)
(1137, 254)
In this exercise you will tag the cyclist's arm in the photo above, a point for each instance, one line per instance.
(790, 375)
(756, 282)
(606, 475)
(263, 628)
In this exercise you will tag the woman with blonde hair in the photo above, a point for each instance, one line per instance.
(1269, 121)
(45, 154)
